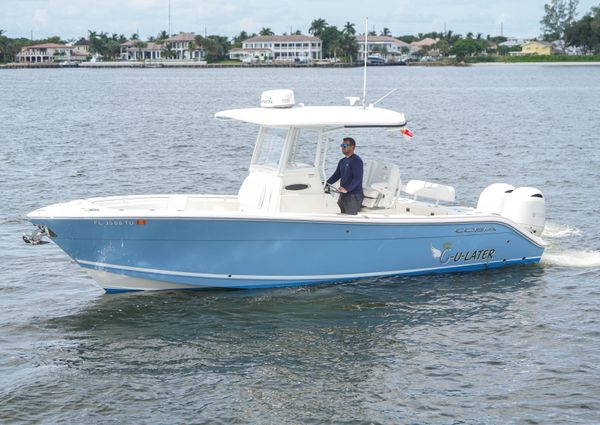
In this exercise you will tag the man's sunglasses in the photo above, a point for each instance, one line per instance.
(344, 145)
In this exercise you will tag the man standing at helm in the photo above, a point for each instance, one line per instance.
(350, 173)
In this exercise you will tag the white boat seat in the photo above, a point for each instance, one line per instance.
(429, 190)
(381, 183)
(370, 192)
(369, 168)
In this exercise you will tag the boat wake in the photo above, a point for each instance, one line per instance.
(555, 256)
(572, 258)
(557, 230)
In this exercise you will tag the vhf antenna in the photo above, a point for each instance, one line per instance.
(365, 52)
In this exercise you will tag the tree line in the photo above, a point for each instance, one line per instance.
(558, 23)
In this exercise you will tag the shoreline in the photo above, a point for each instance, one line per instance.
(558, 63)
(142, 65)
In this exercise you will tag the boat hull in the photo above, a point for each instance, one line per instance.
(189, 253)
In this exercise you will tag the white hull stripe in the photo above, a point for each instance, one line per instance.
(284, 277)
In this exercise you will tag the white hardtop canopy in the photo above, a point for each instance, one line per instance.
(317, 116)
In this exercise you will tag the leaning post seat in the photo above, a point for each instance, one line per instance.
(429, 190)
(381, 183)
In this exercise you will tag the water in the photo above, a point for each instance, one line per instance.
(518, 345)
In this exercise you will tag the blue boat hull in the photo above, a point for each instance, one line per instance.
(169, 253)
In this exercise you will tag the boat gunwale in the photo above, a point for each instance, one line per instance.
(335, 219)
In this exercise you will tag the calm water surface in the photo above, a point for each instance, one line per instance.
(519, 345)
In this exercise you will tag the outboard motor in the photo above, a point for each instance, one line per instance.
(493, 197)
(527, 207)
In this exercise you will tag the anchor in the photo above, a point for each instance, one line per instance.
(36, 237)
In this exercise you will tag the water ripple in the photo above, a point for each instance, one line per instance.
(517, 345)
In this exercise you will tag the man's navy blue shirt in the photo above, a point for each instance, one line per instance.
(350, 173)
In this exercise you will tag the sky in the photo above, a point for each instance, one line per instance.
(71, 19)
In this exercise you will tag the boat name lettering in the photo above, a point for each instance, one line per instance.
(446, 254)
(114, 222)
(475, 229)
(482, 254)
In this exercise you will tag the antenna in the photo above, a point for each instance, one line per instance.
(383, 97)
(365, 53)
(169, 18)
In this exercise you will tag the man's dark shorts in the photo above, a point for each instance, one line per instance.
(350, 203)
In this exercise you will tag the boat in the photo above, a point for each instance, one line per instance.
(282, 228)
(375, 59)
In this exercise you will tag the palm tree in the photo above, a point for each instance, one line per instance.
(333, 47)
(239, 39)
(317, 26)
(191, 47)
(266, 31)
(162, 36)
(95, 42)
(349, 45)
(386, 32)
(349, 29)
(168, 51)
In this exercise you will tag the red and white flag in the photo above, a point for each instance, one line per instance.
(408, 135)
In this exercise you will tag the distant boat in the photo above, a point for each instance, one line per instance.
(375, 60)
(283, 229)
(68, 64)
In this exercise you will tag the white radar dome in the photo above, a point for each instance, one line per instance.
(277, 99)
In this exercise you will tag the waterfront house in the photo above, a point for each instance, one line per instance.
(302, 48)
(537, 48)
(180, 45)
(133, 50)
(389, 48)
(45, 53)
(81, 50)
(533, 48)
(422, 45)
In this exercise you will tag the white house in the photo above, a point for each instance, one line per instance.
(146, 50)
(180, 44)
(285, 47)
(45, 53)
(389, 48)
